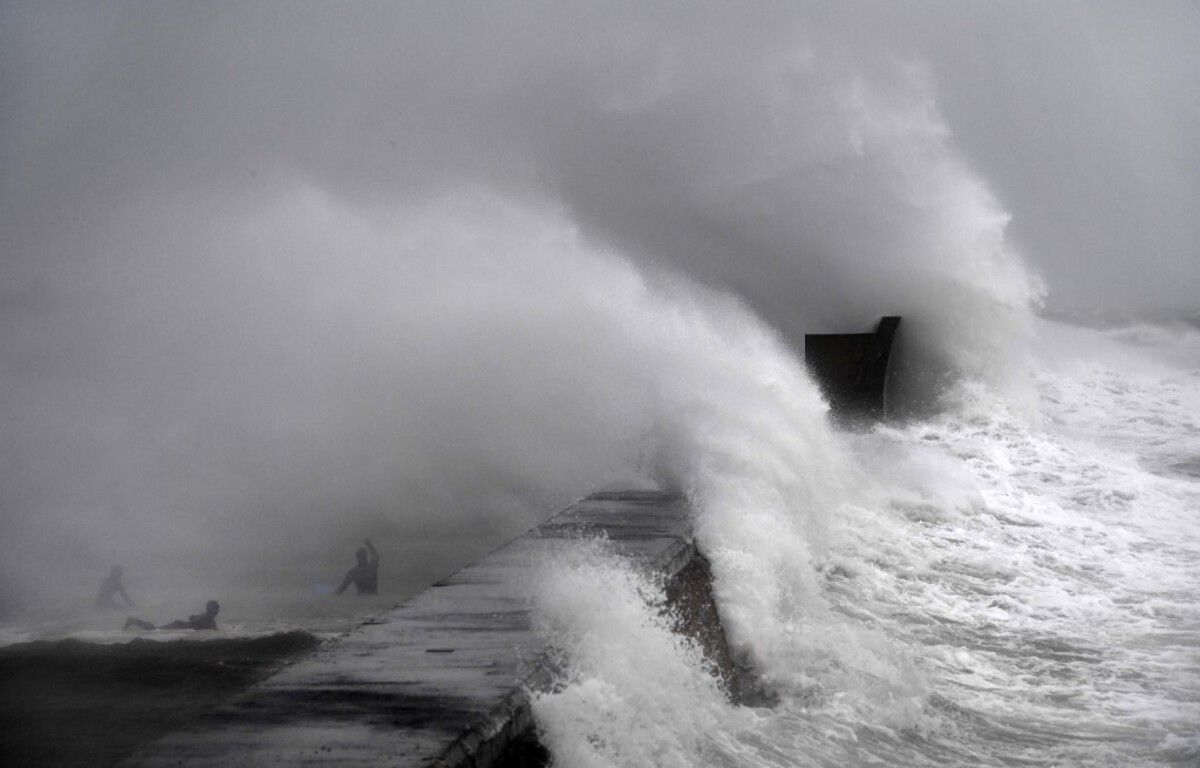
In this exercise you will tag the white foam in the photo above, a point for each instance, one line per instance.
(980, 588)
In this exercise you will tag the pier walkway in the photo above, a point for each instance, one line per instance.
(438, 681)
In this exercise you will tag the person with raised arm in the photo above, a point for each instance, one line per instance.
(365, 575)
(110, 588)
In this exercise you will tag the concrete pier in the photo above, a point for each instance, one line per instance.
(852, 369)
(438, 681)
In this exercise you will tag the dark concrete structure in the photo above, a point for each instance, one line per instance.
(442, 680)
(852, 369)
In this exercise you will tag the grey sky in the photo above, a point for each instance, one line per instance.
(1079, 117)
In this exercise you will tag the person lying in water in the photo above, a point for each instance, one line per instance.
(110, 588)
(206, 620)
(365, 575)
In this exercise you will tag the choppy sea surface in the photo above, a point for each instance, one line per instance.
(1015, 581)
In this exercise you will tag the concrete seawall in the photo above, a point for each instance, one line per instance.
(441, 680)
(852, 370)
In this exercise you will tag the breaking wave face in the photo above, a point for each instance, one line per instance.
(1008, 577)
(976, 588)
(969, 587)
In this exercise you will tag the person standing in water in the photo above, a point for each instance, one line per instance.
(206, 620)
(365, 575)
(110, 588)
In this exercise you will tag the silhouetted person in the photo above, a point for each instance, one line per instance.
(110, 588)
(206, 620)
(365, 575)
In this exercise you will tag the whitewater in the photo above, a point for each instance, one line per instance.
(1012, 581)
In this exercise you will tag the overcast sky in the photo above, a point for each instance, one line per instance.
(265, 256)
(1079, 117)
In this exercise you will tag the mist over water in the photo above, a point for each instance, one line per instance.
(278, 278)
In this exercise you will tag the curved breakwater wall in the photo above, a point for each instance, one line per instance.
(442, 680)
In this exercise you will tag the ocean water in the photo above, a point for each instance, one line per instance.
(1014, 581)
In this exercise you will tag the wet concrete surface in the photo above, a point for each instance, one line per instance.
(438, 681)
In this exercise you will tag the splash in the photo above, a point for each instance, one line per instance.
(969, 589)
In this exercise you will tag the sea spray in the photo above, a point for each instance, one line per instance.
(981, 587)
(322, 314)
(768, 476)
(630, 692)
(745, 433)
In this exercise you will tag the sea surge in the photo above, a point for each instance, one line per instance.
(993, 585)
